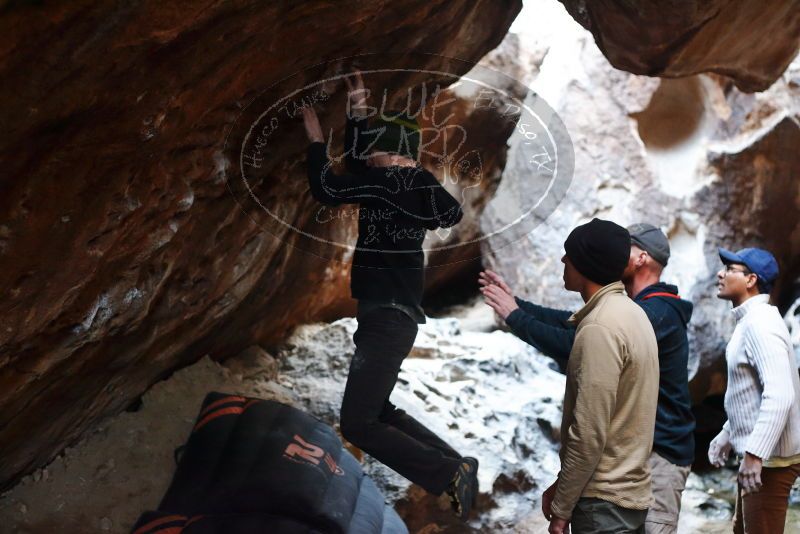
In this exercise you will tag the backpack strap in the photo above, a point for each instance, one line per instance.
(661, 294)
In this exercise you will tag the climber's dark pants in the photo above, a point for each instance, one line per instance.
(370, 422)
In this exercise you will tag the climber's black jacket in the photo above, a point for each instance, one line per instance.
(396, 205)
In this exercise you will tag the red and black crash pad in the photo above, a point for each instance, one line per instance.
(253, 465)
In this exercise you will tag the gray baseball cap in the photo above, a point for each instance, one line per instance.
(652, 240)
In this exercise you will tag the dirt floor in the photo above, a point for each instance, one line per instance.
(122, 469)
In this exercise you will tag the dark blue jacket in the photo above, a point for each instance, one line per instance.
(548, 330)
(396, 205)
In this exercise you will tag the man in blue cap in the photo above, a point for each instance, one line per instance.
(547, 329)
(762, 400)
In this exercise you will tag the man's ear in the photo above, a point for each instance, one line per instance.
(752, 280)
(641, 260)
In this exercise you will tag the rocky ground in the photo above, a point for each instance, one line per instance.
(491, 395)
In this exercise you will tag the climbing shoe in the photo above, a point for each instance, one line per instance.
(463, 489)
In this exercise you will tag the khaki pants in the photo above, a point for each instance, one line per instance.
(765, 512)
(668, 483)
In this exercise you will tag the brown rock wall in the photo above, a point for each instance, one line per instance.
(123, 254)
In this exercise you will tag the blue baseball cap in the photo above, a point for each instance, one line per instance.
(759, 261)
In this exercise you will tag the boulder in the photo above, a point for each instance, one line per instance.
(122, 251)
(750, 42)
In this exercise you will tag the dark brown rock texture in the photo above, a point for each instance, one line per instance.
(751, 41)
(123, 253)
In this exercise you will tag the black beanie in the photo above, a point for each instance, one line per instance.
(397, 133)
(599, 250)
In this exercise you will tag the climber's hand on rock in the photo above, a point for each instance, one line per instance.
(354, 81)
(356, 94)
(313, 128)
(489, 277)
(500, 301)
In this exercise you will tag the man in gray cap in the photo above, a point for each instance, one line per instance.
(547, 330)
(650, 239)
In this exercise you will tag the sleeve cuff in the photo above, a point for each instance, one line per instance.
(515, 317)
(316, 147)
(360, 121)
(316, 151)
(558, 511)
(760, 446)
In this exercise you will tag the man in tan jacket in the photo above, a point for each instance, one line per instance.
(610, 397)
